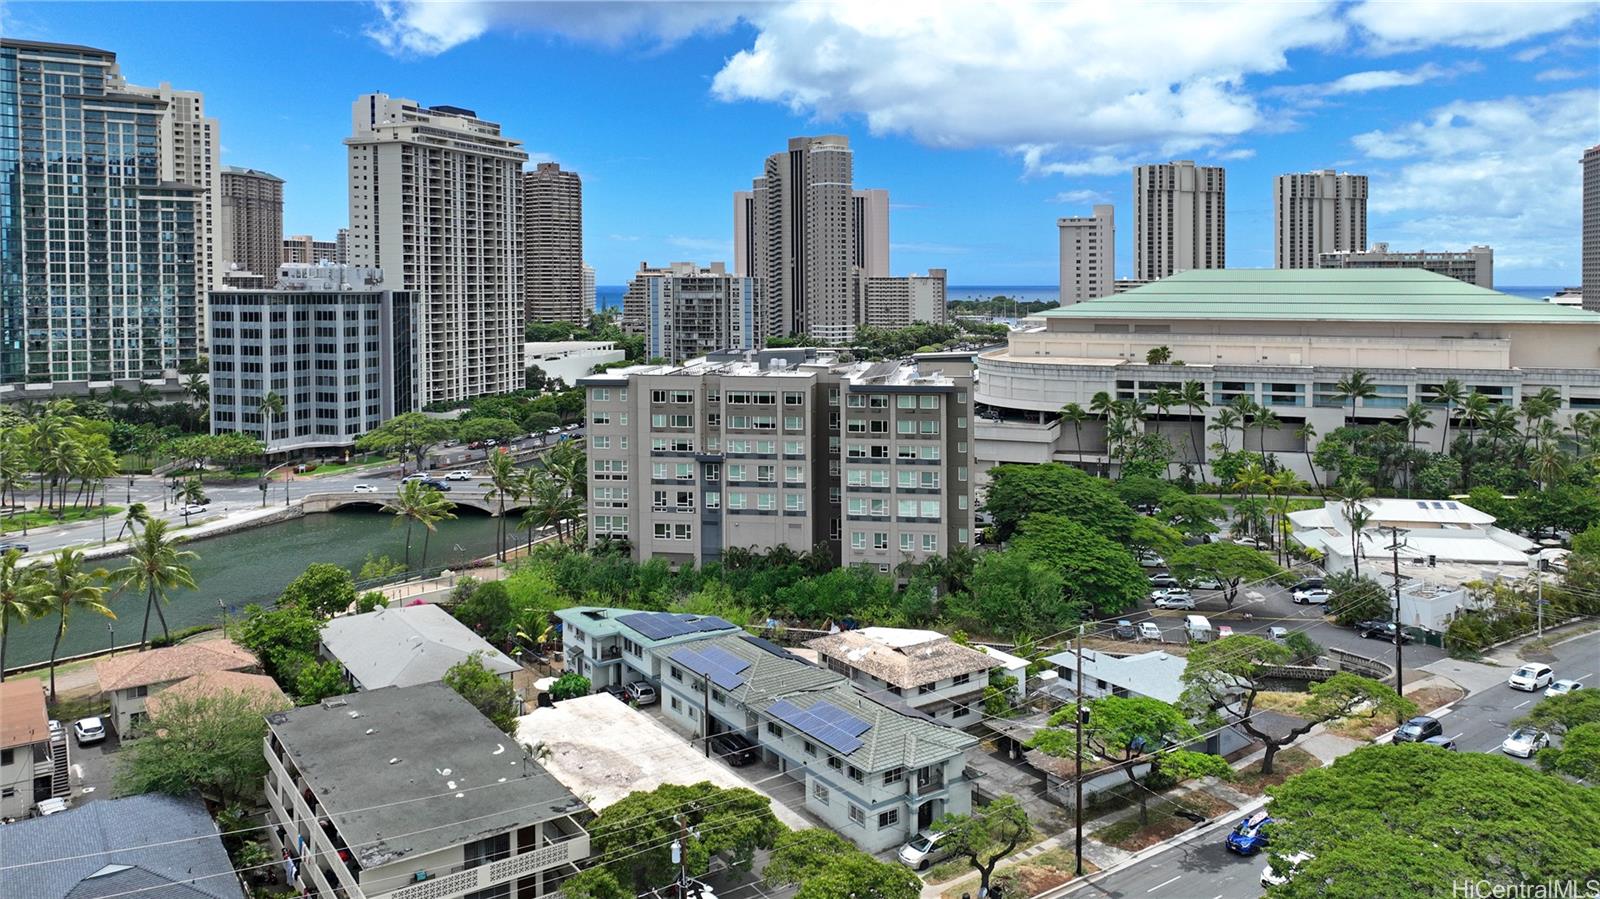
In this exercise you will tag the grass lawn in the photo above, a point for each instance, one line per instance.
(1427, 699)
(1045, 871)
(13, 524)
(1132, 836)
(1285, 765)
(956, 867)
(330, 468)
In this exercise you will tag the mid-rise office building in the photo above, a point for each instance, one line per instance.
(435, 201)
(1474, 266)
(1591, 228)
(1316, 213)
(127, 311)
(1088, 254)
(303, 249)
(1179, 218)
(252, 222)
(590, 303)
(869, 462)
(804, 231)
(334, 343)
(899, 302)
(552, 229)
(685, 311)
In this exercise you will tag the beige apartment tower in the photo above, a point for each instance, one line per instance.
(1316, 213)
(903, 301)
(1474, 266)
(1088, 255)
(435, 201)
(552, 228)
(1591, 229)
(251, 222)
(303, 249)
(1179, 218)
(869, 462)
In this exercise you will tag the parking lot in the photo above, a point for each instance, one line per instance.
(93, 768)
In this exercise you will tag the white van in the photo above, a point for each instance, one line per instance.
(1197, 627)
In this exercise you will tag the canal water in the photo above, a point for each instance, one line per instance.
(253, 566)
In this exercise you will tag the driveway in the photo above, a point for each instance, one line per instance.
(93, 768)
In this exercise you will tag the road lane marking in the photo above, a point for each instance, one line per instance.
(1522, 703)
(1162, 884)
(1457, 736)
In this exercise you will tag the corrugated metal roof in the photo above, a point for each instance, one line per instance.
(1392, 295)
(402, 647)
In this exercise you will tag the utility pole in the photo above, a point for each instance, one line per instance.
(680, 856)
(1077, 757)
(1538, 604)
(1394, 549)
(705, 710)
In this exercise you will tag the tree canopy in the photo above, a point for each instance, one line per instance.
(488, 692)
(407, 434)
(1357, 598)
(986, 836)
(1017, 491)
(1094, 569)
(322, 589)
(827, 866)
(1408, 820)
(632, 838)
(1230, 563)
(209, 742)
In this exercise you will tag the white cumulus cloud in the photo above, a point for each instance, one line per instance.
(1503, 172)
(1415, 24)
(430, 27)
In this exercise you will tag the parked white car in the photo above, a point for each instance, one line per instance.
(460, 474)
(363, 488)
(1206, 582)
(923, 850)
(1524, 742)
(1562, 687)
(1175, 599)
(1149, 630)
(1531, 678)
(1316, 596)
(89, 730)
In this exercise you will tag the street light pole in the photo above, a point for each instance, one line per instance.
(1394, 549)
(1077, 757)
(113, 632)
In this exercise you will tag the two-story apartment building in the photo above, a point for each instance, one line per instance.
(411, 793)
(802, 448)
(129, 679)
(924, 669)
(33, 758)
(875, 770)
(619, 646)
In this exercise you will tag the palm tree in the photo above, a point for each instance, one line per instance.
(1280, 487)
(68, 588)
(1501, 423)
(271, 406)
(1473, 410)
(1306, 433)
(144, 398)
(1224, 421)
(1357, 385)
(503, 484)
(1450, 394)
(21, 597)
(1160, 355)
(569, 466)
(1162, 400)
(1266, 420)
(1352, 492)
(417, 503)
(156, 566)
(118, 396)
(1075, 414)
(12, 464)
(198, 389)
(1547, 465)
(1102, 405)
(1415, 416)
(133, 519)
(49, 434)
(1247, 410)
(1193, 396)
(191, 493)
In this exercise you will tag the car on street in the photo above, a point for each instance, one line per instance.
(460, 474)
(923, 850)
(1250, 835)
(1250, 542)
(1315, 596)
(1224, 630)
(1441, 742)
(55, 728)
(1206, 582)
(436, 484)
(1291, 864)
(1562, 687)
(555, 430)
(1279, 634)
(1531, 678)
(574, 426)
(1524, 742)
(1124, 630)
(363, 488)
(419, 476)
(1147, 509)
(8, 547)
(1164, 582)
(192, 509)
(1149, 630)
(51, 806)
(1151, 560)
(1381, 630)
(1309, 583)
(735, 748)
(89, 730)
(1174, 599)
(641, 692)
(1418, 729)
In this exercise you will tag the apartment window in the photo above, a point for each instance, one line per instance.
(794, 474)
(961, 535)
(925, 689)
(766, 447)
(736, 471)
(930, 426)
(930, 402)
(878, 401)
(960, 679)
(766, 473)
(794, 502)
(906, 508)
(675, 704)
(931, 453)
(600, 394)
(600, 442)
(857, 816)
(880, 540)
(890, 818)
(737, 499)
(683, 532)
(766, 502)
(894, 776)
(713, 472)
(930, 508)
(856, 426)
(819, 792)
(857, 401)
(794, 398)
(835, 764)
(793, 423)
(930, 543)
(907, 542)
(857, 451)
(675, 673)
(794, 448)
(855, 477)
(774, 730)
(905, 401)
(600, 418)
(858, 539)
(658, 470)
(713, 499)
(855, 774)
(809, 747)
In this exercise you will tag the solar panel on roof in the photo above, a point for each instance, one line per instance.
(1438, 505)
(812, 725)
(721, 667)
(1451, 506)
(719, 656)
(840, 718)
(1421, 504)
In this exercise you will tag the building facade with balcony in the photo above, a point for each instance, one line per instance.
(874, 769)
(1282, 339)
(34, 761)
(924, 669)
(411, 793)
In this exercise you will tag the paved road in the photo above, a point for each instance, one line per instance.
(1203, 868)
(223, 498)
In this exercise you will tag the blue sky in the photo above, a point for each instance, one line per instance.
(985, 122)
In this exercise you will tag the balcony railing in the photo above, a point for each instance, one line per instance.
(568, 851)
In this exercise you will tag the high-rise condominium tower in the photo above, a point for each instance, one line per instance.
(805, 232)
(589, 301)
(684, 310)
(1316, 213)
(435, 201)
(552, 228)
(251, 222)
(341, 247)
(1088, 255)
(1591, 228)
(1178, 218)
(98, 274)
(304, 249)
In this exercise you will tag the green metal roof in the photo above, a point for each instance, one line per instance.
(1367, 295)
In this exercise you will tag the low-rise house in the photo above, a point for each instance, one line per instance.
(405, 646)
(1153, 674)
(214, 683)
(33, 759)
(927, 670)
(131, 678)
(151, 847)
(411, 793)
(873, 768)
(618, 646)
(1014, 667)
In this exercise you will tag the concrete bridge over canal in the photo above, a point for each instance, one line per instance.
(463, 498)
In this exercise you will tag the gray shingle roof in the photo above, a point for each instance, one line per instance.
(193, 863)
(402, 647)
